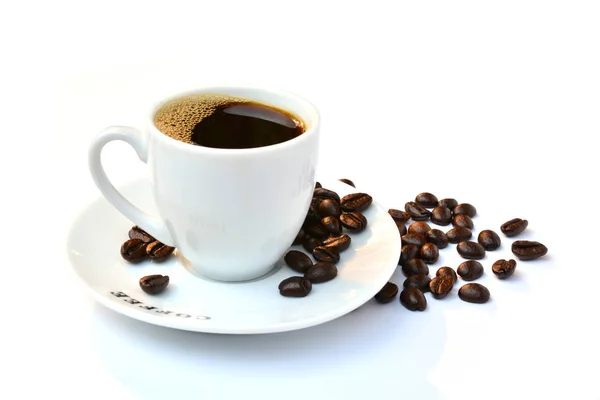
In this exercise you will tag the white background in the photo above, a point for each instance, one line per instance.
(493, 103)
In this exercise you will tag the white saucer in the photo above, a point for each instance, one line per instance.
(196, 304)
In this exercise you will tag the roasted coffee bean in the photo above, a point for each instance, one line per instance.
(387, 293)
(326, 254)
(356, 202)
(154, 284)
(447, 271)
(450, 203)
(347, 182)
(420, 227)
(407, 252)
(329, 207)
(316, 230)
(514, 227)
(311, 216)
(415, 266)
(437, 237)
(298, 261)
(441, 215)
(295, 286)
(470, 270)
(465, 208)
(134, 250)
(417, 212)
(322, 194)
(489, 239)
(419, 281)
(318, 185)
(158, 251)
(138, 233)
(470, 250)
(413, 238)
(338, 243)
(474, 293)
(440, 286)
(300, 237)
(429, 253)
(398, 215)
(401, 228)
(332, 225)
(459, 234)
(528, 250)
(413, 299)
(427, 200)
(504, 269)
(462, 220)
(310, 243)
(354, 221)
(321, 272)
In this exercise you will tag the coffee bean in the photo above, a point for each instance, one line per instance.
(295, 286)
(322, 194)
(415, 266)
(459, 234)
(398, 215)
(437, 237)
(427, 200)
(298, 261)
(138, 233)
(316, 230)
(401, 228)
(528, 250)
(356, 202)
(419, 281)
(429, 253)
(450, 203)
(387, 293)
(326, 254)
(462, 220)
(413, 238)
(514, 227)
(420, 227)
(470, 270)
(413, 299)
(329, 207)
(332, 225)
(447, 271)
(504, 269)
(470, 250)
(158, 252)
(310, 243)
(465, 208)
(417, 212)
(407, 252)
(300, 237)
(318, 185)
(134, 250)
(354, 221)
(440, 286)
(311, 216)
(441, 215)
(154, 284)
(489, 239)
(347, 182)
(338, 243)
(321, 272)
(474, 293)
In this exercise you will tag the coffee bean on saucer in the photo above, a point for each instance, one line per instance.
(326, 254)
(138, 233)
(317, 230)
(440, 286)
(154, 284)
(354, 221)
(420, 227)
(465, 208)
(310, 243)
(401, 228)
(322, 194)
(407, 252)
(447, 271)
(514, 227)
(387, 293)
(338, 243)
(413, 238)
(470, 250)
(158, 252)
(426, 200)
(300, 237)
(437, 237)
(318, 185)
(295, 286)
(321, 272)
(429, 253)
(462, 220)
(528, 249)
(298, 261)
(347, 182)
(417, 212)
(489, 239)
(419, 281)
(474, 293)
(329, 207)
(399, 215)
(356, 202)
(470, 270)
(413, 299)
(450, 203)
(504, 269)
(415, 266)
(332, 225)
(441, 215)
(134, 250)
(459, 234)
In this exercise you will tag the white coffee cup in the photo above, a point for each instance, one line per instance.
(231, 213)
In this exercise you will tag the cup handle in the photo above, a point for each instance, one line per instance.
(136, 139)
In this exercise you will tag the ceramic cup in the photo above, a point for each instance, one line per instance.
(231, 213)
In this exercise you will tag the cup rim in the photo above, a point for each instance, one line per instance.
(223, 90)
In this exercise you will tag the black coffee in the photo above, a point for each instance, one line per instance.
(226, 122)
